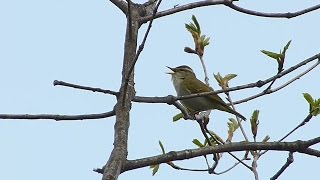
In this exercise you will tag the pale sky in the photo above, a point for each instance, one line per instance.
(81, 42)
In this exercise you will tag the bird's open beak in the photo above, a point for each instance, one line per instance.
(172, 69)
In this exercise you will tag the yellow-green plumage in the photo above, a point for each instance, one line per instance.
(186, 83)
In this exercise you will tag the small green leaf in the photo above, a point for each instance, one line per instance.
(191, 28)
(155, 169)
(232, 127)
(213, 140)
(286, 48)
(309, 98)
(177, 117)
(273, 55)
(265, 139)
(228, 77)
(254, 123)
(198, 143)
(195, 21)
(162, 148)
(218, 77)
(206, 41)
(152, 166)
(316, 111)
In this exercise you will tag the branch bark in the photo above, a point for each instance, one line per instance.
(57, 117)
(296, 146)
(119, 153)
(122, 5)
(230, 4)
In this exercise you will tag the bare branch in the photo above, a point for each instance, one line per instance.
(105, 91)
(57, 117)
(141, 46)
(119, 152)
(231, 5)
(122, 5)
(230, 168)
(269, 91)
(312, 152)
(183, 8)
(305, 121)
(284, 167)
(296, 146)
(271, 15)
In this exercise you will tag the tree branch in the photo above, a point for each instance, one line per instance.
(271, 15)
(105, 91)
(296, 146)
(284, 167)
(118, 156)
(57, 117)
(304, 121)
(122, 5)
(269, 91)
(141, 46)
(230, 4)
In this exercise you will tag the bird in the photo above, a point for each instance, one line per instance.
(185, 82)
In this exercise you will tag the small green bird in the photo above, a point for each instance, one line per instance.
(185, 82)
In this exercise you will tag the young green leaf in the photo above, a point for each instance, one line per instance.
(197, 143)
(286, 48)
(232, 127)
(265, 139)
(216, 137)
(254, 123)
(273, 55)
(155, 169)
(177, 117)
(228, 77)
(195, 21)
(218, 78)
(162, 148)
(309, 98)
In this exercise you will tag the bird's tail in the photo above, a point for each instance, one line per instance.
(229, 110)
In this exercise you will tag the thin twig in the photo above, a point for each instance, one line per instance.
(57, 117)
(284, 167)
(185, 169)
(105, 91)
(238, 119)
(231, 5)
(255, 155)
(215, 155)
(206, 78)
(298, 76)
(271, 15)
(221, 143)
(269, 91)
(305, 121)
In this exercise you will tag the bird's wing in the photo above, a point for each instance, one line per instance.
(194, 90)
(205, 88)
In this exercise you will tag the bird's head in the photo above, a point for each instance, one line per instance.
(181, 72)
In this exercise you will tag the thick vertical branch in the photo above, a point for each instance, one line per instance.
(119, 153)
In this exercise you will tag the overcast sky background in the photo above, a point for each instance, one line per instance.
(81, 42)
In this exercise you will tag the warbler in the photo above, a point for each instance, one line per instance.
(185, 82)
